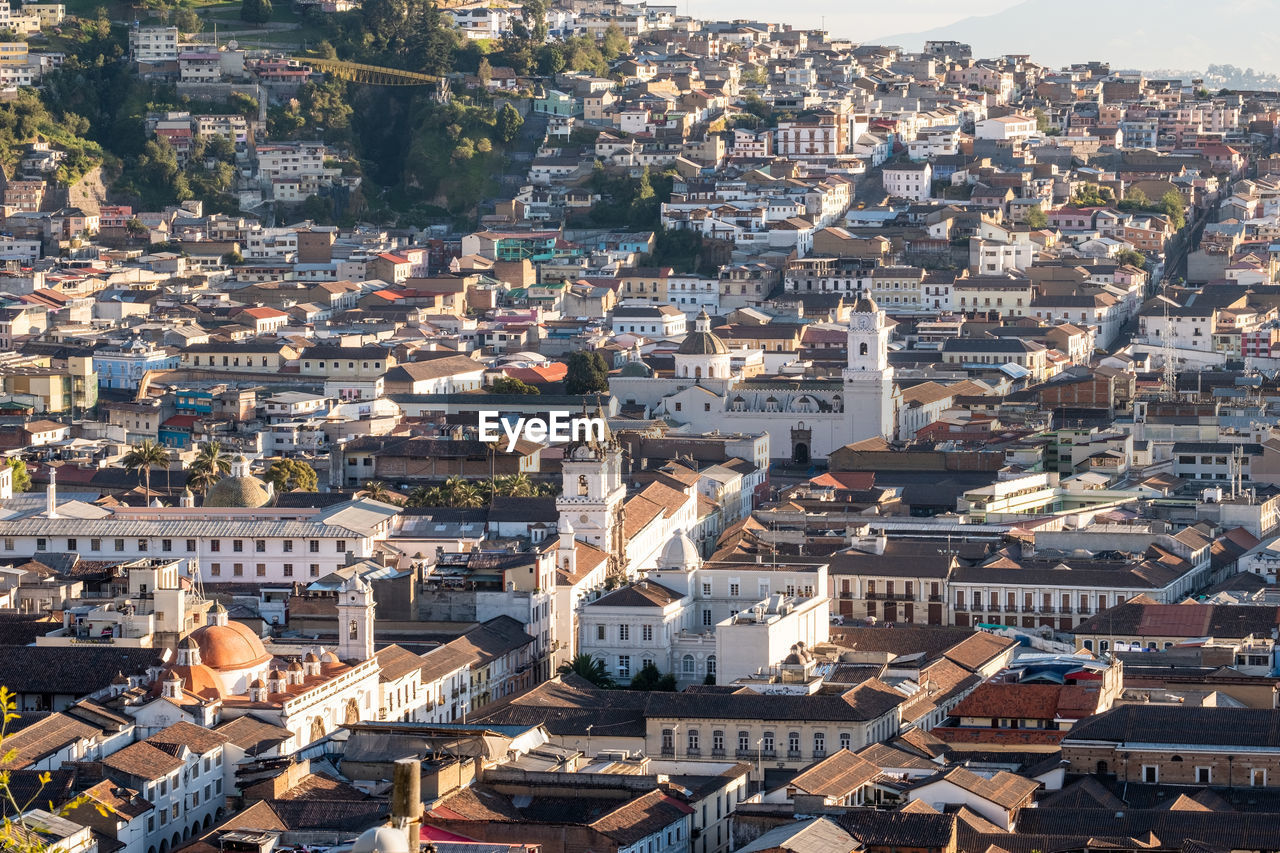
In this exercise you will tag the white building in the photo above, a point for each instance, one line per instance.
(153, 45)
(912, 181)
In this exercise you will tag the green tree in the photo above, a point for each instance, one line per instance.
(21, 477)
(232, 258)
(651, 678)
(211, 464)
(588, 373)
(614, 43)
(255, 11)
(290, 475)
(326, 50)
(376, 490)
(145, 456)
(1137, 196)
(1174, 208)
(485, 72)
(17, 835)
(590, 668)
(511, 385)
(1132, 258)
(424, 496)
(187, 21)
(1037, 218)
(509, 123)
(316, 209)
(462, 494)
(516, 486)
(1042, 120)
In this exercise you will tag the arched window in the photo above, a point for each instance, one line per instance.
(862, 348)
(353, 630)
(687, 665)
(582, 485)
(711, 664)
(697, 372)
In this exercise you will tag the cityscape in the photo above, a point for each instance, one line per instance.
(574, 426)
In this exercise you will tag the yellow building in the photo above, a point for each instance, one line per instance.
(13, 53)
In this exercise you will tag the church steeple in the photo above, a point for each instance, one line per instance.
(870, 395)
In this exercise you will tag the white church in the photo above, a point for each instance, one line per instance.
(806, 418)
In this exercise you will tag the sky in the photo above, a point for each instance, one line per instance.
(859, 20)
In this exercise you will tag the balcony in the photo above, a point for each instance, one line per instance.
(793, 755)
(668, 752)
(745, 753)
(693, 752)
(717, 753)
(935, 598)
(891, 596)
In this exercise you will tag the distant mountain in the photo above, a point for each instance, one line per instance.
(1134, 34)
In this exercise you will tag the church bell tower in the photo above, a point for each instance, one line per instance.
(869, 393)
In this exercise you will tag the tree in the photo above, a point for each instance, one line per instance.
(1042, 120)
(1036, 218)
(255, 11)
(1174, 208)
(1137, 196)
(485, 72)
(614, 43)
(1132, 258)
(511, 385)
(232, 258)
(651, 678)
(424, 496)
(16, 834)
(462, 494)
(187, 21)
(515, 486)
(590, 668)
(588, 374)
(289, 475)
(509, 123)
(145, 456)
(211, 464)
(375, 490)
(21, 477)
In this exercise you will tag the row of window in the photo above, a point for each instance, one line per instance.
(166, 545)
(766, 743)
(260, 570)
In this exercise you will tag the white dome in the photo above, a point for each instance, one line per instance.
(381, 839)
(680, 553)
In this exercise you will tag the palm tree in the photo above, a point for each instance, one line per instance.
(209, 466)
(588, 667)
(457, 492)
(378, 491)
(516, 486)
(424, 496)
(144, 457)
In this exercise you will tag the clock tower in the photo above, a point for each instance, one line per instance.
(592, 495)
(870, 398)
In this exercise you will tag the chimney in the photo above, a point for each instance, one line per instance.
(406, 799)
(51, 494)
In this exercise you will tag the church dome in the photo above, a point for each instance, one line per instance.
(636, 369)
(197, 679)
(239, 489)
(230, 647)
(865, 304)
(702, 341)
(680, 553)
(381, 839)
